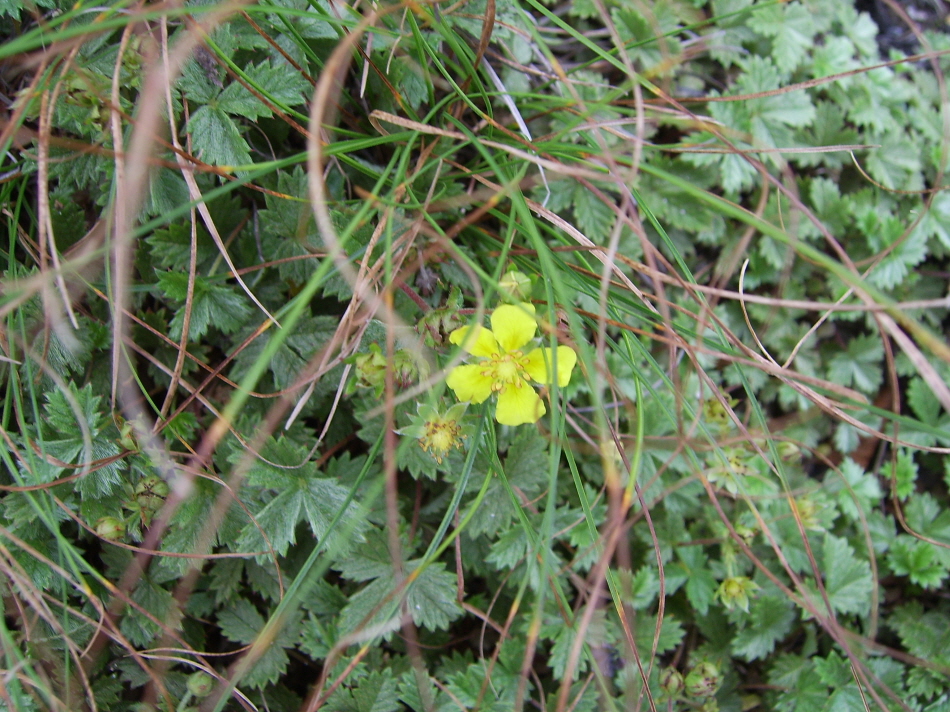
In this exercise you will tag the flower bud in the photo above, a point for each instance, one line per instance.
(200, 684)
(151, 492)
(110, 528)
(703, 680)
(515, 286)
(370, 369)
(671, 682)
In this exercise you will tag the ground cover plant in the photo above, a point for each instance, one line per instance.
(474, 356)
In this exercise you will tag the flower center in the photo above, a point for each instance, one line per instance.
(506, 369)
(440, 437)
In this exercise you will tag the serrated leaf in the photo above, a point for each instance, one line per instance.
(71, 447)
(310, 333)
(924, 634)
(375, 693)
(856, 490)
(594, 217)
(801, 688)
(431, 598)
(212, 305)
(916, 559)
(187, 533)
(274, 526)
(217, 139)
(905, 474)
(896, 164)
(160, 603)
(171, 247)
(792, 31)
(848, 580)
(644, 632)
(564, 637)
(240, 622)
(834, 670)
(860, 366)
(770, 619)
(280, 82)
(700, 583)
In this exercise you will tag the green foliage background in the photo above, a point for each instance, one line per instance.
(217, 335)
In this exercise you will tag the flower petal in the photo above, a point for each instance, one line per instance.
(540, 364)
(482, 343)
(469, 384)
(519, 404)
(514, 326)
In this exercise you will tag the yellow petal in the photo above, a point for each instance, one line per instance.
(482, 343)
(469, 384)
(519, 404)
(540, 364)
(514, 326)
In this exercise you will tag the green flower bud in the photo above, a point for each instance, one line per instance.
(515, 287)
(200, 684)
(371, 370)
(436, 326)
(151, 492)
(110, 528)
(703, 680)
(671, 682)
(405, 369)
(747, 534)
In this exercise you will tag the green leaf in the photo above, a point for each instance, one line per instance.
(375, 693)
(905, 474)
(315, 499)
(217, 139)
(310, 334)
(171, 247)
(700, 583)
(936, 221)
(159, 603)
(828, 129)
(212, 305)
(280, 82)
(69, 444)
(769, 620)
(644, 632)
(802, 690)
(594, 217)
(240, 622)
(848, 580)
(646, 587)
(896, 163)
(916, 559)
(856, 491)
(923, 401)
(926, 635)
(860, 366)
(834, 670)
(564, 636)
(835, 56)
(432, 597)
(792, 31)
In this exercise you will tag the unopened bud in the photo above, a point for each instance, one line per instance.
(110, 528)
(703, 680)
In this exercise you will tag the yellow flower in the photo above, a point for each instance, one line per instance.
(504, 368)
